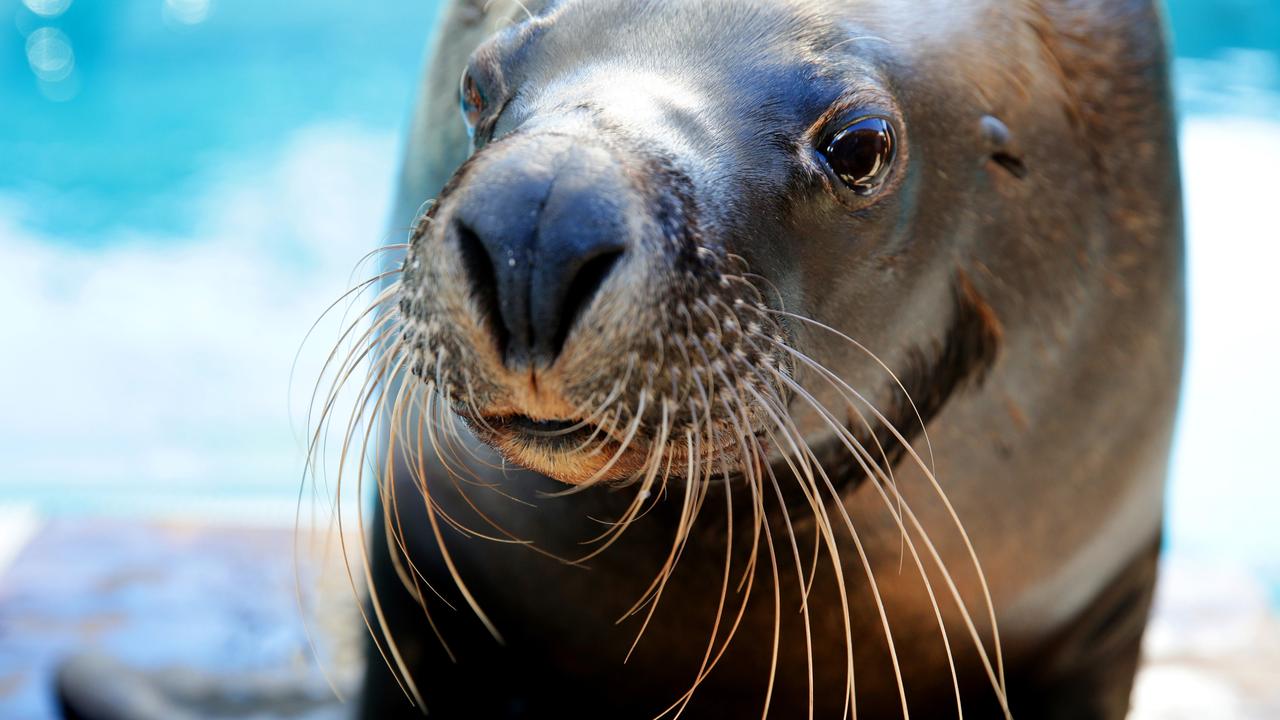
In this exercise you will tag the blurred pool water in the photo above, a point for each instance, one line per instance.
(185, 184)
(117, 113)
(168, 161)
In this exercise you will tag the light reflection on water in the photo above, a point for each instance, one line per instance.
(187, 12)
(47, 8)
(185, 183)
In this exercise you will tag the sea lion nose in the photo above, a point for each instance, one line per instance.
(540, 226)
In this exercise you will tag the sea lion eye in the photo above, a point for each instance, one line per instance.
(471, 100)
(862, 154)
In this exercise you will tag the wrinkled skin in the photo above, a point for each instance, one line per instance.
(1035, 178)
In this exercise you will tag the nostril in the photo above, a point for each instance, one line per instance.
(582, 290)
(478, 267)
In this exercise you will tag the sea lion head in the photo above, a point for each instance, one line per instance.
(677, 216)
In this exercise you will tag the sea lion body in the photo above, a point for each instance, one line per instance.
(1021, 275)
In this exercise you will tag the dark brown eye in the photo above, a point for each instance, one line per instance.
(471, 100)
(862, 154)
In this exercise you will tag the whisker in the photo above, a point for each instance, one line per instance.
(603, 472)
(297, 356)
(868, 464)
(655, 454)
(346, 370)
(399, 670)
(809, 487)
(924, 430)
(445, 555)
(677, 547)
(997, 682)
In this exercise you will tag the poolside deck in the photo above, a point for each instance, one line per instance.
(162, 595)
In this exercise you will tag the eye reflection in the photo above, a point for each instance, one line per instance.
(862, 154)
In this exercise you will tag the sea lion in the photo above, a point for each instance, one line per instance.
(850, 333)
(774, 358)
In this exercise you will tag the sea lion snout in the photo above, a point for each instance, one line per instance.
(564, 298)
(540, 227)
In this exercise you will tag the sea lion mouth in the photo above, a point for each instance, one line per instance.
(561, 436)
(574, 451)
(606, 448)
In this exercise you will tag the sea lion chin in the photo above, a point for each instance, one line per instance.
(843, 334)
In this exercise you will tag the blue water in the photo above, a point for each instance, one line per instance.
(150, 100)
(227, 161)
(1204, 28)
